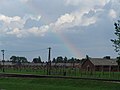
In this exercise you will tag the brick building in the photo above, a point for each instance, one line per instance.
(100, 64)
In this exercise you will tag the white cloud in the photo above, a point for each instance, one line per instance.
(84, 17)
(88, 21)
(8, 20)
(15, 26)
(87, 13)
(73, 19)
(17, 32)
(112, 13)
(38, 31)
(67, 18)
(88, 3)
(63, 21)
(34, 31)
(32, 17)
(11, 23)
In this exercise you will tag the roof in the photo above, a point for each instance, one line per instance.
(103, 61)
(5, 63)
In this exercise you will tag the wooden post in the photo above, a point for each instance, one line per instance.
(3, 60)
(109, 70)
(49, 61)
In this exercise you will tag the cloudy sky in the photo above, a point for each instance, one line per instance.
(72, 28)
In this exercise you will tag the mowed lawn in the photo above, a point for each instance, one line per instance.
(55, 84)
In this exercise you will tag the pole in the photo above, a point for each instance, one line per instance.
(49, 61)
(49, 54)
(3, 59)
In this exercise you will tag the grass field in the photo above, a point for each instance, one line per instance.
(69, 72)
(55, 84)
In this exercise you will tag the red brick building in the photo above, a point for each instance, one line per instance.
(100, 64)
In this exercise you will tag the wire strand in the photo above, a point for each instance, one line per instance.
(22, 51)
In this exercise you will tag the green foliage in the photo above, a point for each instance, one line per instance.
(118, 60)
(60, 59)
(54, 60)
(65, 59)
(37, 60)
(116, 41)
(17, 59)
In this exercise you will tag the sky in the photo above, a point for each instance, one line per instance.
(72, 28)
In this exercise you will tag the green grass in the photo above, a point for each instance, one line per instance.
(55, 84)
(69, 72)
(25, 71)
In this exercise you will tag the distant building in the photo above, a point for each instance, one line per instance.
(6, 63)
(100, 64)
(74, 65)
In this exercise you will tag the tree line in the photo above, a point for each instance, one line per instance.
(59, 59)
(18, 59)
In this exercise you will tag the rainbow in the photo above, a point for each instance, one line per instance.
(70, 46)
(66, 42)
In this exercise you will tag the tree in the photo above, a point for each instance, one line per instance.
(60, 59)
(118, 60)
(13, 59)
(65, 60)
(54, 60)
(17, 59)
(71, 60)
(23, 59)
(77, 60)
(37, 60)
(116, 42)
